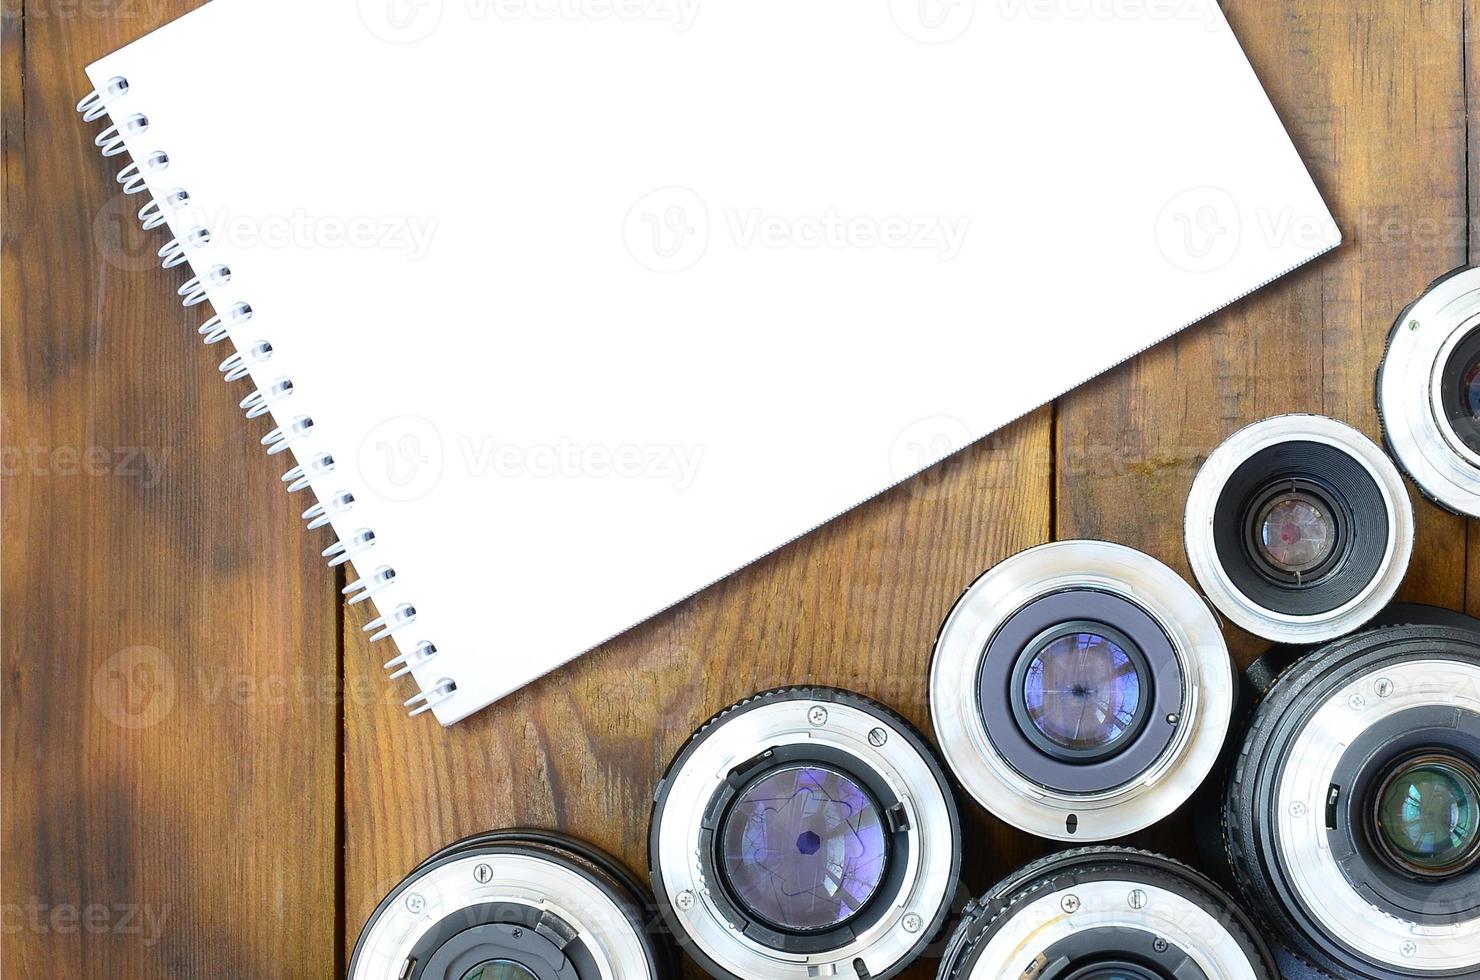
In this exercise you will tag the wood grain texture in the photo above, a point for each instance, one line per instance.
(197, 738)
(170, 648)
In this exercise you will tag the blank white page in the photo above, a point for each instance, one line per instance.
(595, 301)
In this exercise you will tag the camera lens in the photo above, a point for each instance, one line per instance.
(805, 832)
(1299, 529)
(515, 905)
(1425, 815)
(1106, 914)
(1351, 815)
(1080, 690)
(1428, 391)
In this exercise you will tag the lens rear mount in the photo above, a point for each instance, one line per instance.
(1427, 395)
(517, 904)
(1103, 913)
(1312, 817)
(1080, 690)
(1299, 528)
(805, 832)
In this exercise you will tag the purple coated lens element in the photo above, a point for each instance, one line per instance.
(804, 848)
(1082, 691)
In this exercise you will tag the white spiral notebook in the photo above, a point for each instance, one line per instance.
(557, 311)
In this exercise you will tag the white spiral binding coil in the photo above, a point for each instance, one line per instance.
(136, 178)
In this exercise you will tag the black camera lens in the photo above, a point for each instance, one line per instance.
(1428, 391)
(1105, 914)
(1350, 820)
(1080, 690)
(1299, 529)
(515, 905)
(805, 832)
(1426, 815)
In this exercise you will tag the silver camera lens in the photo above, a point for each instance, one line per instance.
(1428, 391)
(1352, 819)
(1080, 690)
(515, 905)
(805, 832)
(1299, 528)
(1106, 914)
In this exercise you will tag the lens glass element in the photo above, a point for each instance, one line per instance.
(1296, 532)
(1470, 388)
(500, 970)
(804, 849)
(1082, 691)
(1427, 814)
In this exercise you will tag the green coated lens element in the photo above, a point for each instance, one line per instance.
(1428, 816)
(500, 970)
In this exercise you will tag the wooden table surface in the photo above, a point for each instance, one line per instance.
(204, 773)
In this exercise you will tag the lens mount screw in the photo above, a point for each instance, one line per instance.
(1160, 945)
(878, 737)
(1384, 687)
(1297, 809)
(483, 874)
(1410, 948)
(1173, 718)
(415, 904)
(1412, 324)
(1137, 899)
(1356, 702)
(685, 901)
(817, 716)
(1069, 903)
(913, 923)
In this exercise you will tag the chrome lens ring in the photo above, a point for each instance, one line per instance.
(830, 729)
(1411, 392)
(1077, 574)
(1299, 813)
(1381, 526)
(1087, 912)
(557, 908)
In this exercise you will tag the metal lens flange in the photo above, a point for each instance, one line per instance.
(1428, 391)
(1106, 914)
(805, 832)
(515, 905)
(1080, 690)
(1299, 528)
(1351, 815)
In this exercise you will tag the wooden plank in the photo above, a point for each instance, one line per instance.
(855, 605)
(1371, 95)
(170, 646)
